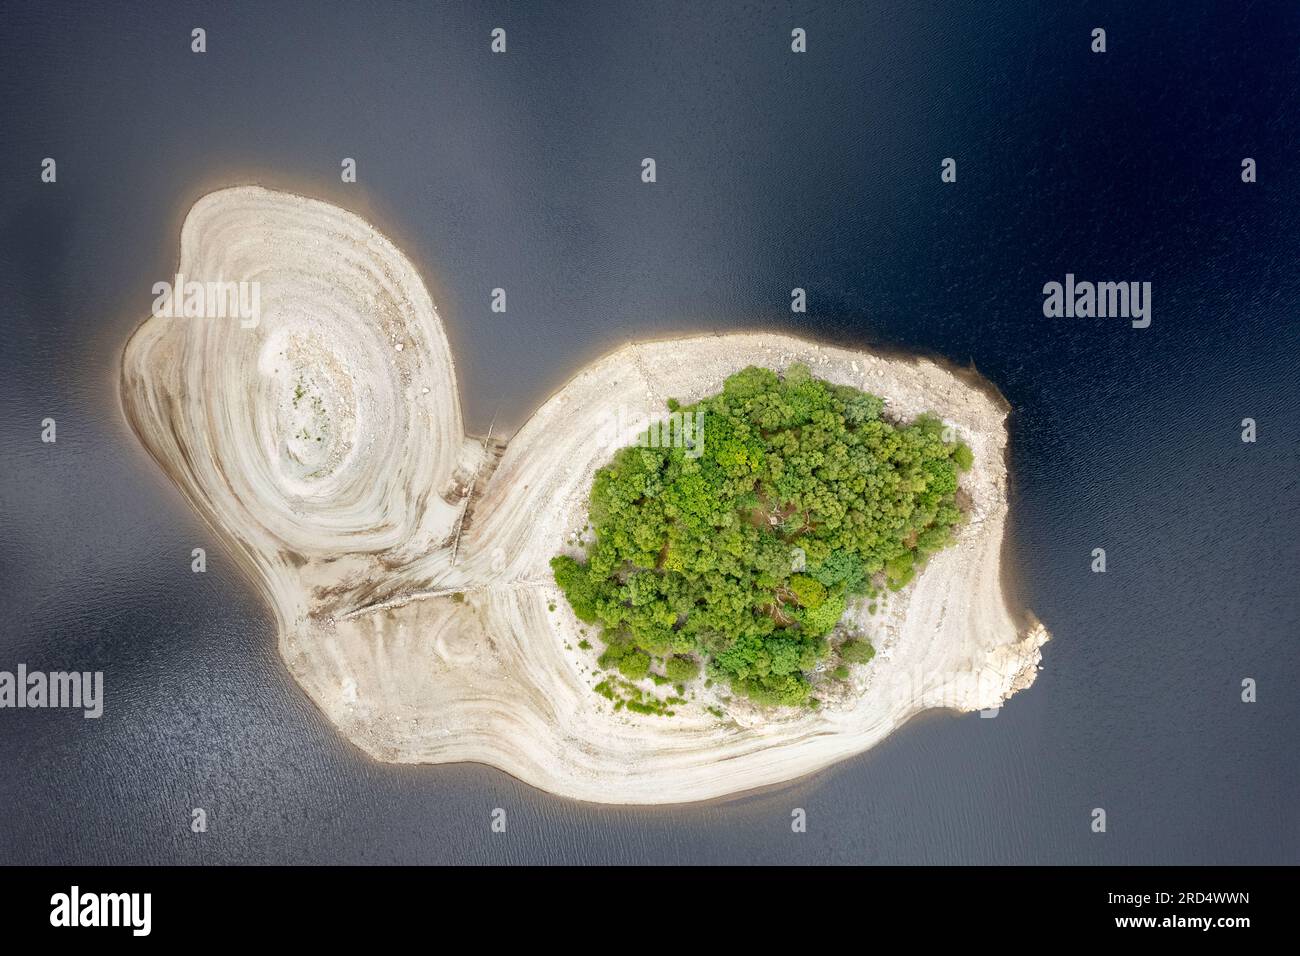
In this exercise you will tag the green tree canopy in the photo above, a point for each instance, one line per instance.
(745, 552)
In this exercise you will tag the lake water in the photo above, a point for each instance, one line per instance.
(775, 170)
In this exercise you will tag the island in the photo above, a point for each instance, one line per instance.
(409, 566)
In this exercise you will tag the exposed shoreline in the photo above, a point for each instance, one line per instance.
(425, 636)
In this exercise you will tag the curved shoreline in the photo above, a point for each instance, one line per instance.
(408, 564)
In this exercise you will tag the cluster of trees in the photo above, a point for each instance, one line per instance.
(745, 556)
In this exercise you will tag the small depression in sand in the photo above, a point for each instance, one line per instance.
(312, 404)
(407, 563)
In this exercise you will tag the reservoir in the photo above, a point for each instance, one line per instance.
(775, 170)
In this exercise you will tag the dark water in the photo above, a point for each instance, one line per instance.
(775, 171)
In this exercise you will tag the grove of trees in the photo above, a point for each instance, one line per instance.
(743, 555)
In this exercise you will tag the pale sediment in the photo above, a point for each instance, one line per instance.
(408, 566)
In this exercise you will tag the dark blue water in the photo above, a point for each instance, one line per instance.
(775, 171)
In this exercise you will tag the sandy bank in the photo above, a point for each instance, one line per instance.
(407, 563)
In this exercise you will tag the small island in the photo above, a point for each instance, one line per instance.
(434, 592)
